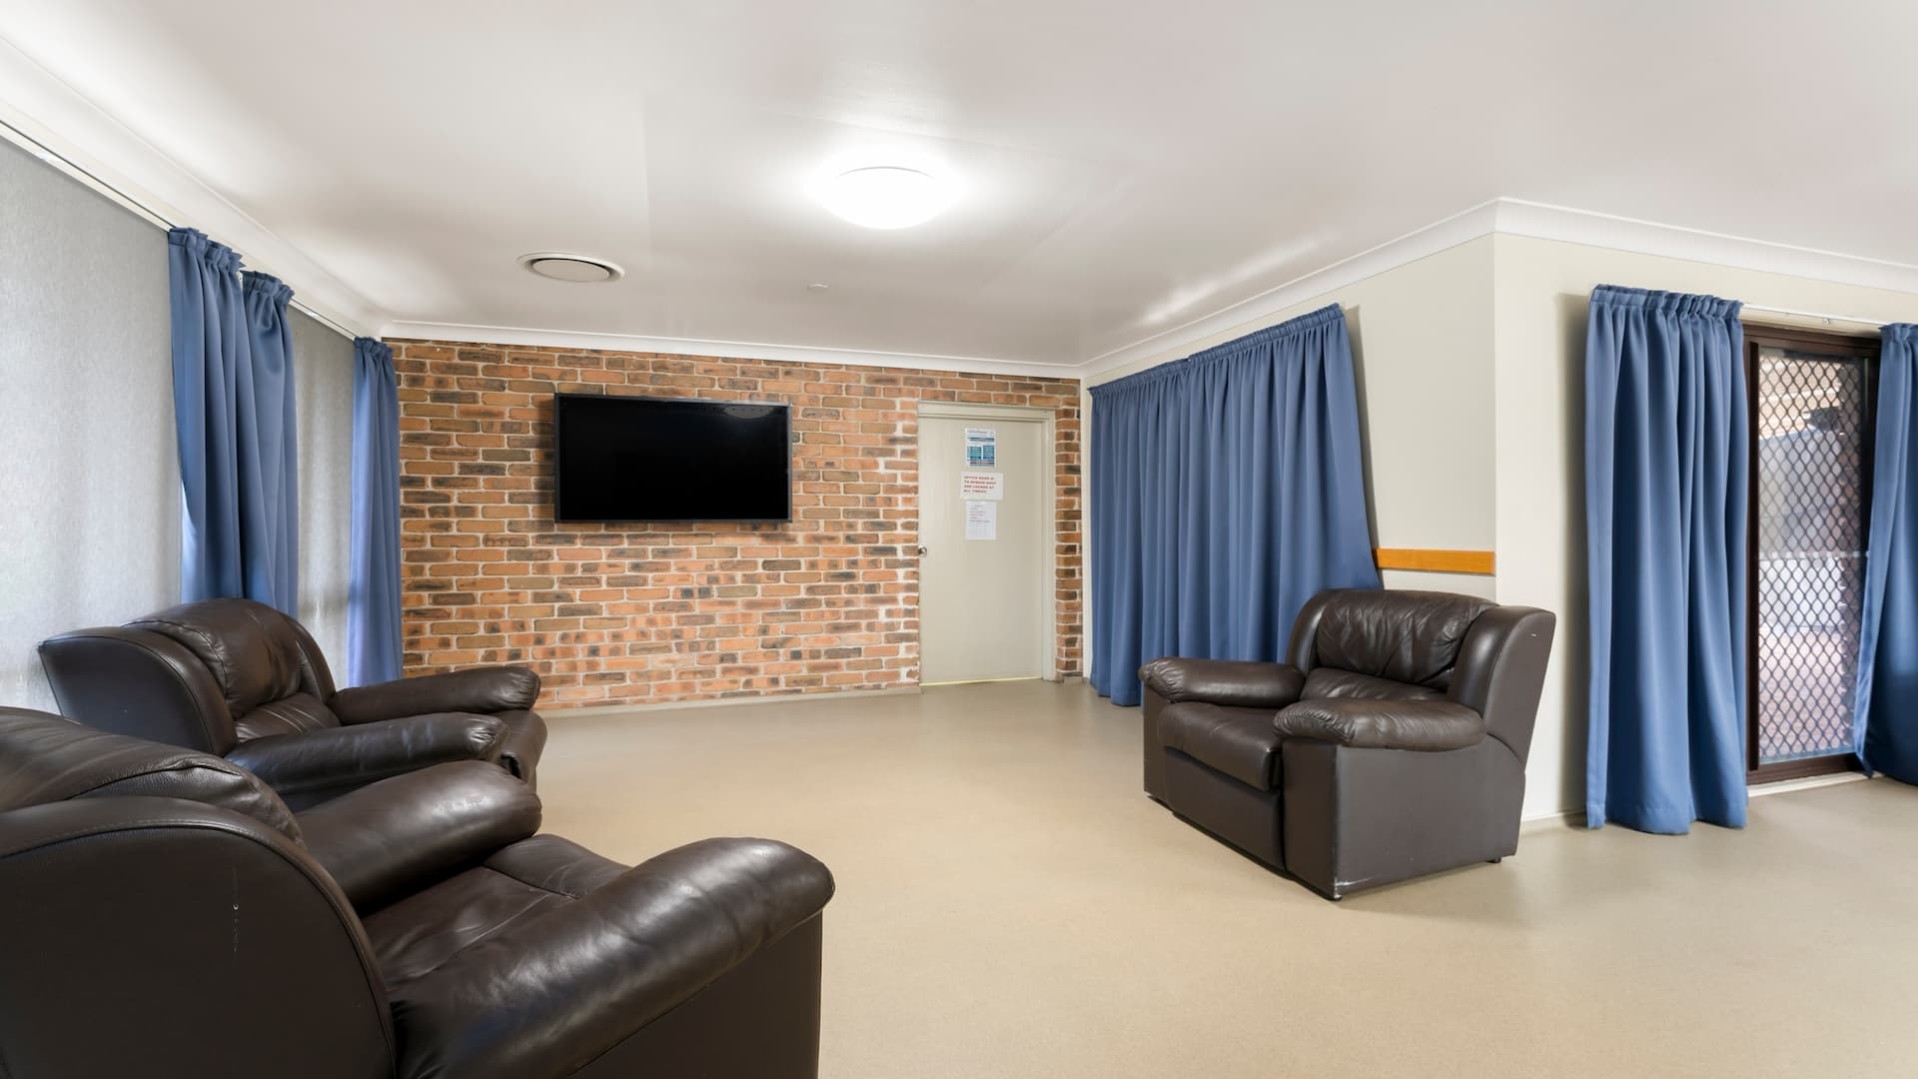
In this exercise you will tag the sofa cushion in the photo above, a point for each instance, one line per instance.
(414, 936)
(1239, 742)
(297, 714)
(1330, 683)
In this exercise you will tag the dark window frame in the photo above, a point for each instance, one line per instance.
(1853, 346)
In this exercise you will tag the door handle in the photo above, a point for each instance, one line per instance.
(922, 552)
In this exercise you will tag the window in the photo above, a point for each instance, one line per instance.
(1813, 399)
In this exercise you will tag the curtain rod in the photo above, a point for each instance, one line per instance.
(140, 209)
(1795, 313)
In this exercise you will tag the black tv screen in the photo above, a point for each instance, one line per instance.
(658, 459)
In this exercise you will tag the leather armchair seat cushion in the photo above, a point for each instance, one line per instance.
(297, 714)
(1239, 742)
(1426, 726)
(547, 955)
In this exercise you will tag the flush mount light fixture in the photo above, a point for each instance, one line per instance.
(886, 197)
(575, 269)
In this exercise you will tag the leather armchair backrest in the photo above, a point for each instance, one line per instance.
(252, 650)
(1396, 636)
(47, 758)
(129, 681)
(1427, 646)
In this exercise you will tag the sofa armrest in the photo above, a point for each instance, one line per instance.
(1383, 724)
(135, 929)
(389, 838)
(543, 997)
(1231, 682)
(342, 758)
(480, 689)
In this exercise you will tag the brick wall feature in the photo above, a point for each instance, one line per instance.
(634, 614)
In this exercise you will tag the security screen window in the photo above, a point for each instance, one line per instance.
(1812, 407)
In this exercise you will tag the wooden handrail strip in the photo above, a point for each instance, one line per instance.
(1424, 560)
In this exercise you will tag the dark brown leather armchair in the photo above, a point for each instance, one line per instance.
(163, 914)
(1392, 744)
(242, 680)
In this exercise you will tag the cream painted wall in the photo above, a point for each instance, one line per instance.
(88, 461)
(1422, 347)
(1540, 291)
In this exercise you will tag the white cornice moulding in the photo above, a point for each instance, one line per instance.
(524, 337)
(1517, 217)
(104, 154)
(1430, 240)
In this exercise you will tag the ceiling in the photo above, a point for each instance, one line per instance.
(1126, 169)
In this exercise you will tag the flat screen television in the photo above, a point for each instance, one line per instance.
(664, 459)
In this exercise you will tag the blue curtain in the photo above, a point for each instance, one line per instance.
(1666, 460)
(373, 590)
(1227, 489)
(1885, 727)
(234, 418)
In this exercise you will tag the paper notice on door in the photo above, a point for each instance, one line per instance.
(977, 485)
(982, 447)
(982, 520)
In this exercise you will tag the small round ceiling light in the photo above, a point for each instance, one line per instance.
(573, 269)
(886, 197)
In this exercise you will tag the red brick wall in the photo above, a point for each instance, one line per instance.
(612, 614)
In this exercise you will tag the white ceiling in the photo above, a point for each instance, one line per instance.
(1127, 168)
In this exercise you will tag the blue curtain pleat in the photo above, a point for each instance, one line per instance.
(373, 587)
(1885, 726)
(1227, 490)
(234, 410)
(1666, 468)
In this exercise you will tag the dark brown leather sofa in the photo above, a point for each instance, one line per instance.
(164, 914)
(1392, 744)
(242, 680)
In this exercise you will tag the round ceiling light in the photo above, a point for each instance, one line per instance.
(574, 269)
(886, 197)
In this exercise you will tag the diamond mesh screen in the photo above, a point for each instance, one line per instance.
(1812, 424)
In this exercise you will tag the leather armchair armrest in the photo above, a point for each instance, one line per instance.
(1383, 724)
(553, 992)
(481, 689)
(342, 758)
(389, 838)
(1230, 682)
(135, 923)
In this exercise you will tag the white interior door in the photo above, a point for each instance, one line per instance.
(984, 530)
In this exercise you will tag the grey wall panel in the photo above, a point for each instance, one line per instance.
(88, 467)
(323, 381)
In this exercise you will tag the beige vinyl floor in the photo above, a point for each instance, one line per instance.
(1010, 905)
